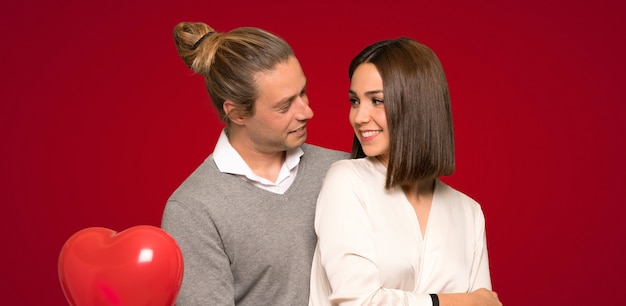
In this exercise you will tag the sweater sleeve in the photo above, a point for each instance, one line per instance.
(347, 253)
(207, 278)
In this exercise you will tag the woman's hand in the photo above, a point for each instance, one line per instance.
(485, 297)
(480, 297)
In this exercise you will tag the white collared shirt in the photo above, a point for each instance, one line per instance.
(228, 160)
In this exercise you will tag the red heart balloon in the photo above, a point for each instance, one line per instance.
(141, 265)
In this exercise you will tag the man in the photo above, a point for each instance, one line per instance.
(244, 218)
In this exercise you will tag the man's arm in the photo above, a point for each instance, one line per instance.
(207, 278)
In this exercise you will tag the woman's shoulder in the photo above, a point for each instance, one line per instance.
(447, 191)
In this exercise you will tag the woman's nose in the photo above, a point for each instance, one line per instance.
(360, 114)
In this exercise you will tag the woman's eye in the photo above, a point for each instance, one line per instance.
(354, 102)
(377, 101)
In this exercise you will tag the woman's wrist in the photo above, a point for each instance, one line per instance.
(435, 299)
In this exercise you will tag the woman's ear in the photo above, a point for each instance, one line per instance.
(232, 112)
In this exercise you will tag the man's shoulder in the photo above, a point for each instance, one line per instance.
(205, 174)
(317, 150)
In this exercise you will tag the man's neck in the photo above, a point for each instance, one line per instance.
(264, 164)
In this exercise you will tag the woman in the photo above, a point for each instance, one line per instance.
(389, 231)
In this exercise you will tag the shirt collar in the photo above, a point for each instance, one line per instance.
(228, 160)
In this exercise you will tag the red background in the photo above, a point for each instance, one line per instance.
(100, 121)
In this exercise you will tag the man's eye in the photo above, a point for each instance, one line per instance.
(284, 108)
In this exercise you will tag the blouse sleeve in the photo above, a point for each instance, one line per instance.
(345, 242)
(480, 277)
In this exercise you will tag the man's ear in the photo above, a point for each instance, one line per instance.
(232, 112)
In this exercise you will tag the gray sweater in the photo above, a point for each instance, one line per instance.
(243, 245)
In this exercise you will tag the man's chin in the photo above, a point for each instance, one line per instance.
(293, 143)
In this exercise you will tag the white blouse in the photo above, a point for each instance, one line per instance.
(370, 249)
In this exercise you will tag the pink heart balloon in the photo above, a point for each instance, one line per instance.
(141, 265)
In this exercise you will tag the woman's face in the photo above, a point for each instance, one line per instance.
(367, 115)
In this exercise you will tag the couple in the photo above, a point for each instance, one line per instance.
(385, 230)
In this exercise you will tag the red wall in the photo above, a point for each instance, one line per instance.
(100, 121)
